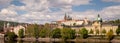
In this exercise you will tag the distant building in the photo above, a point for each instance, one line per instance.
(100, 26)
(70, 22)
(17, 28)
(97, 24)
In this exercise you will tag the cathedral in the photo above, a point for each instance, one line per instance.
(70, 22)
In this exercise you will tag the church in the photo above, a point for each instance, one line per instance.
(98, 26)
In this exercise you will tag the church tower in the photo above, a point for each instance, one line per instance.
(98, 25)
(99, 19)
(65, 17)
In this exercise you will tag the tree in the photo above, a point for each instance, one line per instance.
(43, 33)
(36, 31)
(56, 33)
(74, 24)
(91, 31)
(29, 30)
(48, 29)
(68, 33)
(117, 21)
(21, 33)
(46, 26)
(10, 35)
(33, 30)
(118, 31)
(84, 33)
(97, 31)
(104, 31)
(110, 35)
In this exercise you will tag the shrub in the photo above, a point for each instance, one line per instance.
(11, 35)
(103, 31)
(110, 35)
(21, 33)
(56, 33)
(91, 31)
(84, 33)
(97, 31)
(68, 33)
(118, 31)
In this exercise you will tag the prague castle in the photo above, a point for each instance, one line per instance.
(70, 22)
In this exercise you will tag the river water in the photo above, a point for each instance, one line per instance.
(2, 41)
(50, 42)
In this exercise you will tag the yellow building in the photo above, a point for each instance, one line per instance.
(97, 26)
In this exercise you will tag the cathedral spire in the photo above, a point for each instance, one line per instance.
(98, 15)
(65, 17)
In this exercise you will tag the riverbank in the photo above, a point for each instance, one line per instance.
(75, 40)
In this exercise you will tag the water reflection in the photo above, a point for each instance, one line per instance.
(58, 42)
(20, 41)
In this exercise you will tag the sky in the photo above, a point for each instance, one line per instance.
(43, 11)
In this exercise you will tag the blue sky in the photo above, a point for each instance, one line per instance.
(95, 5)
(42, 11)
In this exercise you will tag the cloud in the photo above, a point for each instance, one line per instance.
(9, 15)
(7, 12)
(4, 3)
(111, 0)
(38, 11)
(111, 12)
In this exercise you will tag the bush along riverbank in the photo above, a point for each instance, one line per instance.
(65, 34)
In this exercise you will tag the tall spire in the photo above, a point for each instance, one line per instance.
(65, 17)
(98, 15)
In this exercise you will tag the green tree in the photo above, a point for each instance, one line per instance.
(10, 35)
(74, 24)
(118, 31)
(68, 33)
(117, 21)
(91, 31)
(46, 26)
(110, 35)
(48, 29)
(21, 33)
(36, 31)
(43, 33)
(56, 33)
(84, 33)
(29, 31)
(33, 30)
(97, 31)
(104, 31)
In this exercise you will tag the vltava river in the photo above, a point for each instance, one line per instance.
(2, 41)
